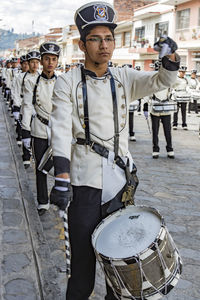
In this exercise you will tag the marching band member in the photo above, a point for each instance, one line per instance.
(13, 73)
(39, 94)
(194, 85)
(33, 58)
(67, 68)
(7, 81)
(90, 106)
(17, 94)
(157, 116)
(181, 87)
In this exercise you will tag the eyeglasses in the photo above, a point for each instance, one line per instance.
(98, 40)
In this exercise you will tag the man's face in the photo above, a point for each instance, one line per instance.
(25, 66)
(99, 45)
(49, 62)
(181, 74)
(193, 75)
(14, 65)
(8, 65)
(33, 65)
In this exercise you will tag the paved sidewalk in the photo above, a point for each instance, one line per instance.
(32, 253)
(27, 270)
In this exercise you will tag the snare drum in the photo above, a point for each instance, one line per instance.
(46, 163)
(196, 95)
(137, 253)
(182, 97)
(164, 107)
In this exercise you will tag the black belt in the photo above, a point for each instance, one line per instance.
(101, 150)
(43, 120)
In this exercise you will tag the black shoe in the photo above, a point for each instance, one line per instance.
(41, 211)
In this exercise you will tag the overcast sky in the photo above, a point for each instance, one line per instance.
(38, 15)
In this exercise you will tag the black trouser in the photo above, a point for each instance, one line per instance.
(19, 128)
(139, 106)
(39, 148)
(195, 106)
(83, 216)
(166, 121)
(26, 154)
(131, 123)
(183, 106)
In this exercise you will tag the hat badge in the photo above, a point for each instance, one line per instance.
(51, 47)
(100, 12)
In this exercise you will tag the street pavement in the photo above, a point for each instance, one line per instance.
(32, 252)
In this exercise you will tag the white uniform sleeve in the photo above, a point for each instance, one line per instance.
(17, 91)
(27, 107)
(61, 118)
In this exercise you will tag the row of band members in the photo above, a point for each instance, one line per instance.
(89, 165)
(15, 78)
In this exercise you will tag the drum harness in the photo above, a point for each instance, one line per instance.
(131, 177)
(34, 102)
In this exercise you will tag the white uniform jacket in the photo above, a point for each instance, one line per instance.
(68, 112)
(17, 90)
(181, 88)
(42, 107)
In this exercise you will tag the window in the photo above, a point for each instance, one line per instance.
(127, 39)
(183, 19)
(139, 33)
(118, 40)
(160, 29)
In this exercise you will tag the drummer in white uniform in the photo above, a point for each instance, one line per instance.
(164, 116)
(181, 89)
(194, 86)
(17, 96)
(38, 95)
(90, 109)
(33, 58)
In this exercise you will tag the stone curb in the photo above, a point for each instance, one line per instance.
(46, 271)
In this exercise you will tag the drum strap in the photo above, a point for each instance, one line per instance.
(86, 113)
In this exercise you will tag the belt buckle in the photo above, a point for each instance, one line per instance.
(91, 147)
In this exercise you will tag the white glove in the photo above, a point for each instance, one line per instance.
(165, 46)
(27, 143)
(16, 115)
(146, 114)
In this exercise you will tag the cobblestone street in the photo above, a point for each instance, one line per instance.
(32, 253)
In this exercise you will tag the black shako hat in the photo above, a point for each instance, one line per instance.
(14, 60)
(93, 14)
(33, 55)
(194, 71)
(23, 58)
(183, 69)
(49, 48)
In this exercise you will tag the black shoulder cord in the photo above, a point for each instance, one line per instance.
(35, 89)
(21, 94)
(115, 114)
(85, 105)
(86, 114)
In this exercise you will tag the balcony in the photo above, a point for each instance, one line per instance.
(142, 46)
(188, 38)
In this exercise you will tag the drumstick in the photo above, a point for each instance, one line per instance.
(63, 214)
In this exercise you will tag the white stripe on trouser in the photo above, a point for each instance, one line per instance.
(67, 243)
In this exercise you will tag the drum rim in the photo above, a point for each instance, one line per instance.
(162, 227)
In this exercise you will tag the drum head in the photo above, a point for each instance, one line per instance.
(127, 232)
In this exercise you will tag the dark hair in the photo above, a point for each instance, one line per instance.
(87, 31)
